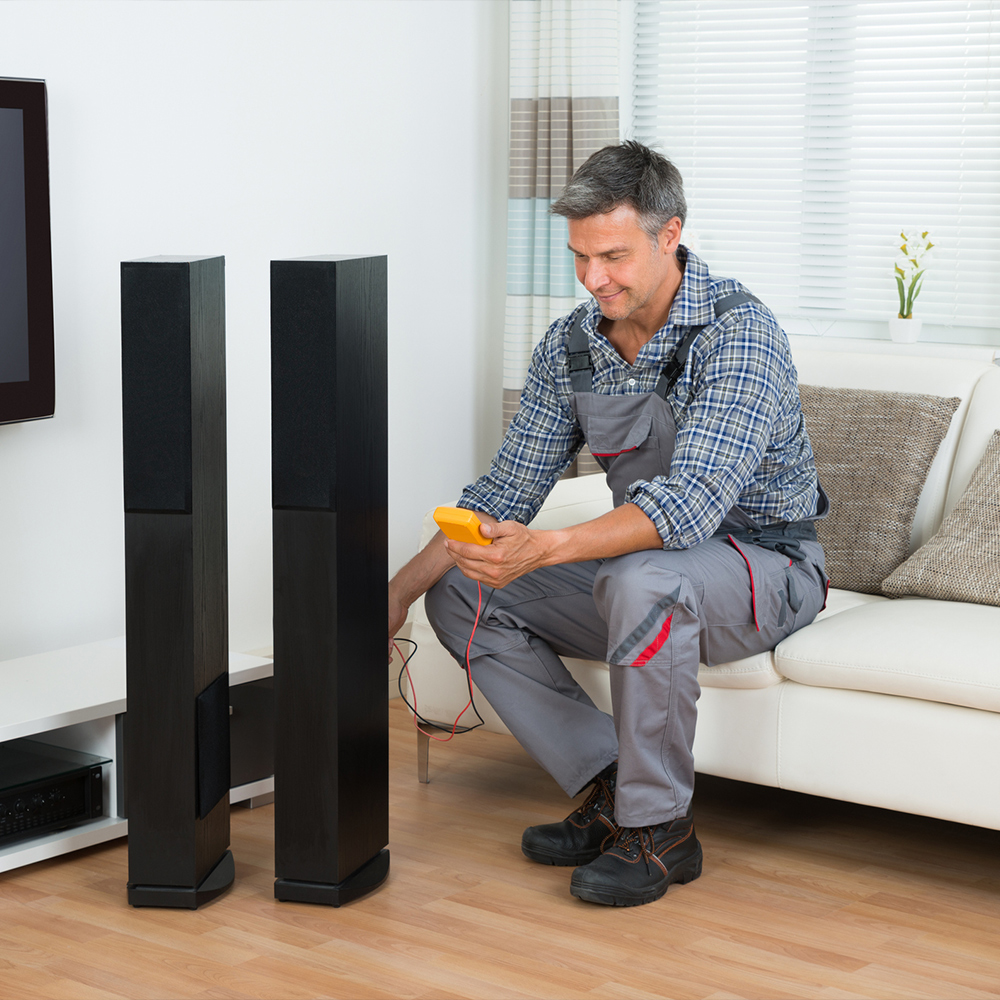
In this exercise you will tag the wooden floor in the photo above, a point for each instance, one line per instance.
(801, 897)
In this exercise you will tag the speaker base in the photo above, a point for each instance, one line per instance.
(215, 883)
(369, 876)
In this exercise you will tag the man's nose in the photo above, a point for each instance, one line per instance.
(596, 276)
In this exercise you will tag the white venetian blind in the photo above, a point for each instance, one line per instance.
(809, 132)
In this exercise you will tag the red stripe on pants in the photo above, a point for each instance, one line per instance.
(753, 591)
(654, 647)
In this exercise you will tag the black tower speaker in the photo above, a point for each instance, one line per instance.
(176, 591)
(330, 496)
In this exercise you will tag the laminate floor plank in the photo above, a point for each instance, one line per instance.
(202, 944)
(309, 980)
(166, 970)
(942, 964)
(621, 991)
(497, 964)
(801, 897)
(313, 966)
(402, 961)
(32, 983)
(894, 982)
(71, 989)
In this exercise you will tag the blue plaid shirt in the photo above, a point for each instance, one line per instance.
(741, 439)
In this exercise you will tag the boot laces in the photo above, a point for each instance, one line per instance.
(600, 794)
(635, 842)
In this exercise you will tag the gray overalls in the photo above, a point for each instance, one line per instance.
(652, 615)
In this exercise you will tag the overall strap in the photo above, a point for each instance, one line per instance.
(581, 368)
(728, 302)
(675, 366)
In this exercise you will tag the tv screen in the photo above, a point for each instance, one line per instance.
(27, 369)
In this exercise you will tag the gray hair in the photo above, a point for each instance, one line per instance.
(628, 174)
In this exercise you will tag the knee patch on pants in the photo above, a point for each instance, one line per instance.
(639, 601)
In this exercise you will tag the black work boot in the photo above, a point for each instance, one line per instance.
(578, 838)
(639, 865)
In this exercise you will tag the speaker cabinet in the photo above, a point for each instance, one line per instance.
(330, 496)
(176, 590)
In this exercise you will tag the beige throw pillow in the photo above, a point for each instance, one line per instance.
(873, 452)
(962, 561)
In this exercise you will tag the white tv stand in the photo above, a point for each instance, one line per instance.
(74, 698)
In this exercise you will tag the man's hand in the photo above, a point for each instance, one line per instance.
(516, 550)
(414, 579)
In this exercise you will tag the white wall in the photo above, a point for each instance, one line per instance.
(257, 130)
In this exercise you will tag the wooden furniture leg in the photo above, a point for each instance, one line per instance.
(423, 756)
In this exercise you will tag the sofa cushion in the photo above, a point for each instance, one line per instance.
(751, 672)
(980, 420)
(962, 561)
(759, 671)
(573, 501)
(840, 600)
(975, 382)
(935, 650)
(873, 451)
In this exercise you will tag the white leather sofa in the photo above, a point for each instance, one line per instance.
(887, 702)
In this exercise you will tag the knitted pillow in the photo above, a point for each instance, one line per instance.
(962, 561)
(873, 452)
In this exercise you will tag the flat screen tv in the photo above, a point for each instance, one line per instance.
(27, 362)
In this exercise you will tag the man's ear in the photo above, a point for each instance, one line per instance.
(670, 236)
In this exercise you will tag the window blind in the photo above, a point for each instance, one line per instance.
(810, 132)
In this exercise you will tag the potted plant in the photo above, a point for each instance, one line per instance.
(914, 256)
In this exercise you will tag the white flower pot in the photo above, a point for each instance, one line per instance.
(905, 331)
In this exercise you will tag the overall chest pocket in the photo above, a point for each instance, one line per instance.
(609, 437)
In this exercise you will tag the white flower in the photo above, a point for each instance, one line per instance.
(915, 242)
(912, 257)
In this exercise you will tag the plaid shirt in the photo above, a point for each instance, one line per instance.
(741, 439)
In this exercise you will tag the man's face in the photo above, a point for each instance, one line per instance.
(617, 262)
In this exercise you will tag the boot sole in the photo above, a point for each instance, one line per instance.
(543, 857)
(682, 873)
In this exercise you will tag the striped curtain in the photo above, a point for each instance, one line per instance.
(563, 107)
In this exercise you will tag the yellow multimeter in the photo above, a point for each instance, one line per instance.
(460, 525)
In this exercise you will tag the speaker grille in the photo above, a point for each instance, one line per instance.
(156, 386)
(303, 385)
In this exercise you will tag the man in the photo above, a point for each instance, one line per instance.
(683, 387)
